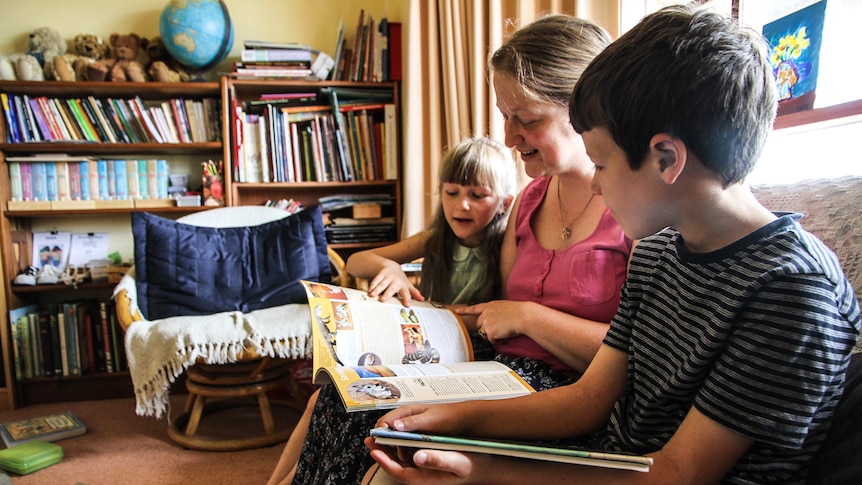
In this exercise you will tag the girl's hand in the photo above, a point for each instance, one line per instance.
(391, 281)
(498, 319)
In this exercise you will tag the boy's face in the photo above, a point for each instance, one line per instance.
(468, 210)
(628, 194)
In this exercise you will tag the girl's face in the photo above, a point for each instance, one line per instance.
(539, 130)
(468, 210)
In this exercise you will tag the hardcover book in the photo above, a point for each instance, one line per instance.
(52, 427)
(382, 355)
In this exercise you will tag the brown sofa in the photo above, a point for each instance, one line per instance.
(832, 210)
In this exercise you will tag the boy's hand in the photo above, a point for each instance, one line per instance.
(430, 466)
(392, 281)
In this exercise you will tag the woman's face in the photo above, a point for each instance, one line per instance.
(539, 130)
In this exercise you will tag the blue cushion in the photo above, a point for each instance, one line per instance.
(188, 270)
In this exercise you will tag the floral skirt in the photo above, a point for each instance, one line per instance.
(334, 452)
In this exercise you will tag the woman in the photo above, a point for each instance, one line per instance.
(564, 258)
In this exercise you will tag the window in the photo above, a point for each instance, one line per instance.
(821, 142)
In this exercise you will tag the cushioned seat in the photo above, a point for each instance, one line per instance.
(220, 296)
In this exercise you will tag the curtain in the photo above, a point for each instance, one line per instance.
(446, 94)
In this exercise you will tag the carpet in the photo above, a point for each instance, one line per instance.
(121, 447)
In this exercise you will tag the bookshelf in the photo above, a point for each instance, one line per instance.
(329, 171)
(18, 220)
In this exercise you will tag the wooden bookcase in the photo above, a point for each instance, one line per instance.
(238, 93)
(15, 225)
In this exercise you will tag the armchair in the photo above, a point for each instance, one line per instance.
(248, 345)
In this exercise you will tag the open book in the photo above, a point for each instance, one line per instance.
(385, 436)
(382, 355)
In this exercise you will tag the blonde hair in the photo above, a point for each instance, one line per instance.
(548, 56)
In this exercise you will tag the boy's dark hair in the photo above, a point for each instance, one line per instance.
(695, 75)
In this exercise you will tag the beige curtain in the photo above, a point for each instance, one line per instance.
(445, 93)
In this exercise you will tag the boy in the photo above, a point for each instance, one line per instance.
(727, 356)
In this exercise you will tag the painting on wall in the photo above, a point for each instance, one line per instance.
(794, 52)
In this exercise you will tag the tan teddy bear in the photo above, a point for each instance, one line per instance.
(122, 65)
(43, 44)
(73, 66)
(162, 67)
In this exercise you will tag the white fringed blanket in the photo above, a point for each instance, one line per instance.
(159, 351)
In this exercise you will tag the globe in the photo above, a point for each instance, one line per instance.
(197, 33)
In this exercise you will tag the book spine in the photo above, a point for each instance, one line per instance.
(40, 184)
(26, 182)
(12, 133)
(64, 342)
(105, 327)
(17, 347)
(121, 180)
(15, 181)
(68, 125)
(81, 120)
(53, 124)
(162, 175)
(275, 55)
(132, 178)
(45, 347)
(151, 171)
(112, 179)
(73, 349)
(23, 126)
(35, 134)
(83, 169)
(64, 181)
(143, 179)
(92, 342)
(100, 187)
(41, 122)
(51, 185)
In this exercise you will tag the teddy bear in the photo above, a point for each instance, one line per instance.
(72, 66)
(43, 45)
(162, 67)
(122, 65)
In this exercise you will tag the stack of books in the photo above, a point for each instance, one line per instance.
(279, 60)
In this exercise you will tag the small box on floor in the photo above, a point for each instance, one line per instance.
(30, 456)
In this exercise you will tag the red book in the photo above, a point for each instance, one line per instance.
(395, 73)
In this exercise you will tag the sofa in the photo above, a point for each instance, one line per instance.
(832, 210)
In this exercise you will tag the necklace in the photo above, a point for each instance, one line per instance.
(567, 229)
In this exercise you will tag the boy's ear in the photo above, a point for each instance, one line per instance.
(669, 155)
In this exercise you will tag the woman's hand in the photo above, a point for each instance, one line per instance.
(391, 281)
(498, 319)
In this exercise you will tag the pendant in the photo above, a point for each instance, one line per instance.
(567, 233)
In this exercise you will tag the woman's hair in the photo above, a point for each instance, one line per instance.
(481, 162)
(547, 56)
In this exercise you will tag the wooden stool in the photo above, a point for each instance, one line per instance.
(230, 386)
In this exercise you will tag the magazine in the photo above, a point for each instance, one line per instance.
(53, 427)
(386, 436)
(382, 355)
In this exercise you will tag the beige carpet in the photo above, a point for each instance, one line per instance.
(123, 448)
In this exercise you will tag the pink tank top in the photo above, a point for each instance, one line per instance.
(583, 280)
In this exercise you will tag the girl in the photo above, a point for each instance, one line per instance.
(477, 184)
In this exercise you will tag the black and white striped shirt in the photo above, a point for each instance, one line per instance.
(756, 335)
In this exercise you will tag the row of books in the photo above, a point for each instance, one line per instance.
(66, 339)
(110, 120)
(301, 139)
(259, 59)
(59, 178)
(376, 52)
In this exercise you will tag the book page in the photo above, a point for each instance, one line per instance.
(384, 387)
(350, 328)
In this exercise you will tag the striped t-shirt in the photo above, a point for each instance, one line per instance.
(756, 335)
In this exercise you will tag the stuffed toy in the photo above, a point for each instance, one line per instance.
(43, 45)
(73, 66)
(122, 65)
(162, 67)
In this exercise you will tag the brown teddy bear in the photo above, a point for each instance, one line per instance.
(162, 67)
(122, 65)
(72, 66)
(43, 44)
